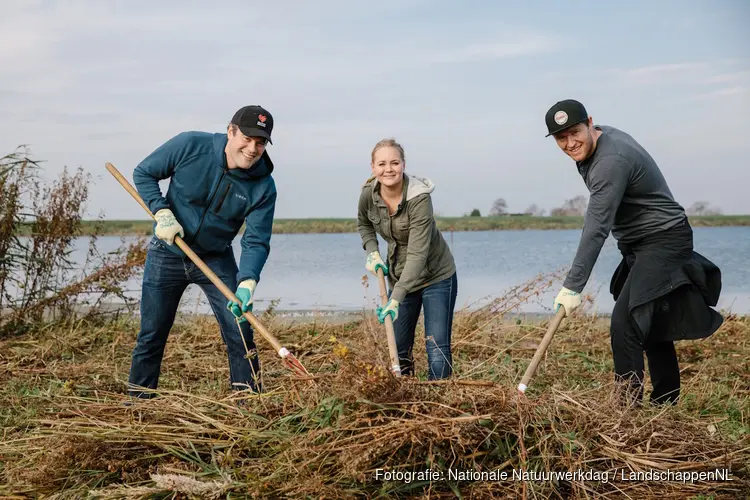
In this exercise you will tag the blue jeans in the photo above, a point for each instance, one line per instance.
(165, 278)
(439, 301)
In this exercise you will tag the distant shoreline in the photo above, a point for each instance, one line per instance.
(142, 227)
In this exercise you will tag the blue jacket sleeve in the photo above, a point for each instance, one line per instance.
(256, 241)
(157, 166)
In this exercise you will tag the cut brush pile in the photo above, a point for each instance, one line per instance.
(68, 433)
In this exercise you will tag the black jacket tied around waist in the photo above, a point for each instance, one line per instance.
(673, 289)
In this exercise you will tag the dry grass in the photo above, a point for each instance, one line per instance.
(66, 432)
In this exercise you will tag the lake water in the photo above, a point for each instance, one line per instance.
(323, 272)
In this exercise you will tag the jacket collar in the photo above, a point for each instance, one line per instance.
(378, 200)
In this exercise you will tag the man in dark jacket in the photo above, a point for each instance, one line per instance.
(217, 182)
(663, 290)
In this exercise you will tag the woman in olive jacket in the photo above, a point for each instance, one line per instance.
(419, 265)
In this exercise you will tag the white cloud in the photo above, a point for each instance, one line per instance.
(729, 78)
(719, 71)
(738, 91)
(525, 46)
(658, 73)
(729, 85)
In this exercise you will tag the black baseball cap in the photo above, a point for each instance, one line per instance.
(565, 114)
(254, 121)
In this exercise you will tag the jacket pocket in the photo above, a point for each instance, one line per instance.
(401, 225)
(374, 217)
(230, 203)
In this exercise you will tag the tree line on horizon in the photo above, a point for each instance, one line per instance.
(576, 206)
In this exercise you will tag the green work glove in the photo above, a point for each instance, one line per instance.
(374, 262)
(390, 308)
(244, 293)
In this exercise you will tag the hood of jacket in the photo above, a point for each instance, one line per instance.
(263, 168)
(418, 185)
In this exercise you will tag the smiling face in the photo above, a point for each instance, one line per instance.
(578, 141)
(388, 165)
(243, 151)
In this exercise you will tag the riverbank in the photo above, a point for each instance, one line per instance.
(68, 431)
(144, 227)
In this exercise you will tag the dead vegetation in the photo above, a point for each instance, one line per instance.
(41, 227)
(69, 434)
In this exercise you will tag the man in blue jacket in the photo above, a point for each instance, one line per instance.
(217, 182)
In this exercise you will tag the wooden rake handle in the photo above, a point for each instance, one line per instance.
(389, 333)
(531, 369)
(282, 351)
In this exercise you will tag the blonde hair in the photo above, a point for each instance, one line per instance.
(385, 143)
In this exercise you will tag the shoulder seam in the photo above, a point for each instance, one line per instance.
(195, 155)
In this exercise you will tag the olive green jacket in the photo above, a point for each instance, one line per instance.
(418, 255)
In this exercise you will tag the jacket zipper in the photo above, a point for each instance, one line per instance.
(223, 197)
(208, 205)
(395, 245)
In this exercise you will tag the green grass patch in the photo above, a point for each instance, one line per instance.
(446, 224)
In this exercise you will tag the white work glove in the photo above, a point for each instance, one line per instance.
(167, 226)
(568, 299)
(374, 261)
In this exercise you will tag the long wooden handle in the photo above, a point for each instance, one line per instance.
(531, 369)
(389, 333)
(202, 265)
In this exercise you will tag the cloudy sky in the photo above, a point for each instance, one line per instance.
(464, 88)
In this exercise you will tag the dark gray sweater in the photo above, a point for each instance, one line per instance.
(628, 196)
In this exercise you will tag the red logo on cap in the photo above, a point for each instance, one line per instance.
(262, 118)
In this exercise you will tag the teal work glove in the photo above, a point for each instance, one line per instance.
(390, 308)
(244, 293)
(568, 299)
(374, 262)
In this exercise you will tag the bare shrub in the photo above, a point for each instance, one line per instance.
(40, 226)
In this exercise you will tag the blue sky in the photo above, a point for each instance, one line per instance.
(463, 88)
